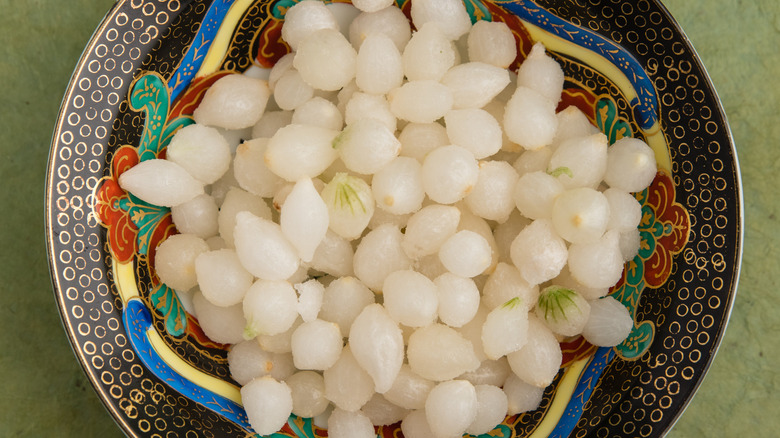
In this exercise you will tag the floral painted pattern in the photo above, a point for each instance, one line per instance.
(664, 232)
(122, 231)
(135, 228)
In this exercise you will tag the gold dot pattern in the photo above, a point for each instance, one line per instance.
(643, 398)
(94, 121)
(239, 55)
(639, 398)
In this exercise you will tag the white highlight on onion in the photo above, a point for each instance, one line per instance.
(428, 55)
(347, 384)
(491, 409)
(378, 255)
(475, 130)
(506, 329)
(326, 60)
(270, 308)
(308, 393)
(201, 150)
(198, 216)
(298, 151)
(428, 229)
(378, 345)
(175, 260)
(160, 182)
(291, 91)
(451, 407)
(250, 170)
(233, 102)
(475, 84)
(631, 165)
(492, 42)
(538, 252)
(493, 195)
(268, 403)
(366, 146)
(343, 300)
(221, 277)
(320, 112)
(541, 73)
(349, 424)
(221, 324)
(506, 283)
(421, 101)
(580, 161)
(458, 299)
(538, 361)
(609, 323)
(263, 249)
(305, 18)
(409, 390)
(316, 345)
(310, 296)
(237, 200)
(397, 187)
(437, 352)
(369, 106)
(410, 298)
(417, 139)
(388, 21)
(466, 253)
(529, 119)
(379, 66)
(581, 215)
(451, 15)
(304, 218)
(449, 174)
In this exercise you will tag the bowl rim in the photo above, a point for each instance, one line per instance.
(740, 215)
(49, 227)
(49, 212)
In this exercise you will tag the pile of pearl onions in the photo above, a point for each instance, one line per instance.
(406, 173)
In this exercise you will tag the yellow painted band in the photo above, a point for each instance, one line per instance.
(219, 47)
(124, 278)
(191, 373)
(124, 274)
(561, 399)
(657, 142)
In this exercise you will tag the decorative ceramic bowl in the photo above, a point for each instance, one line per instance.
(628, 66)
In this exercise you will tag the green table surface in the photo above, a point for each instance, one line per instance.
(44, 392)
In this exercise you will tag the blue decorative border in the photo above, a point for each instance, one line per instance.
(646, 104)
(138, 321)
(582, 392)
(193, 59)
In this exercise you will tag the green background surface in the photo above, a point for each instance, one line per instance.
(44, 392)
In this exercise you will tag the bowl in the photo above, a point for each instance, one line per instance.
(629, 68)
